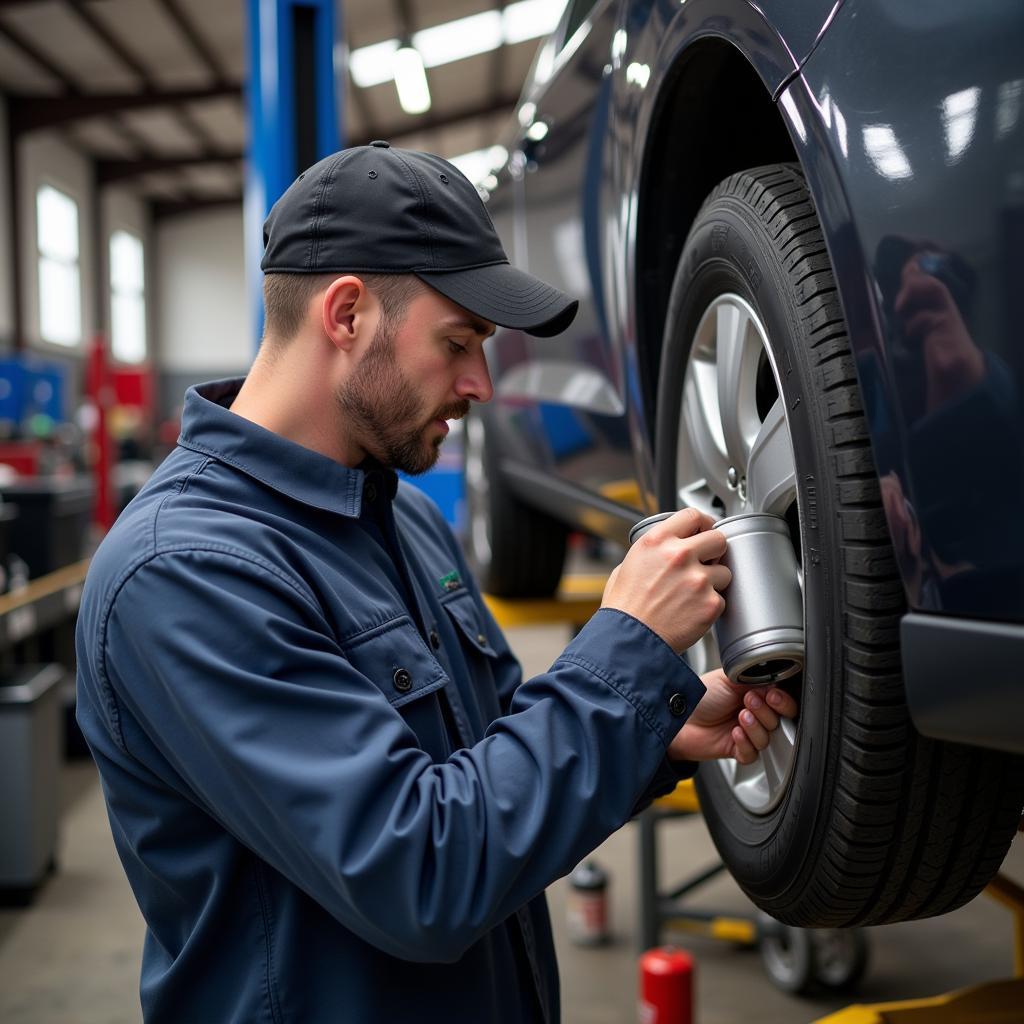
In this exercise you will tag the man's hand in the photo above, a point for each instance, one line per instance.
(731, 721)
(670, 579)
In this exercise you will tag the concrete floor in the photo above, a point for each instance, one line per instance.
(73, 956)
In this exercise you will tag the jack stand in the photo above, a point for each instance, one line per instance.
(797, 960)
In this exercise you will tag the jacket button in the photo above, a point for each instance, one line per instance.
(435, 640)
(677, 704)
(481, 639)
(371, 493)
(403, 681)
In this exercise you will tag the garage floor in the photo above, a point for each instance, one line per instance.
(73, 957)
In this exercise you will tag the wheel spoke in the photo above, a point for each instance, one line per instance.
(700, 453)
(771, 471)
(738, 348)
(777, 757)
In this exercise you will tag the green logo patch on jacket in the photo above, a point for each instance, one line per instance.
(450, 581)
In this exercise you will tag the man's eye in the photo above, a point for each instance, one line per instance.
(455, 346)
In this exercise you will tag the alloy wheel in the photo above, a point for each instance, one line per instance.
(735, 454)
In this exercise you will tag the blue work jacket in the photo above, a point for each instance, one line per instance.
(332, 793)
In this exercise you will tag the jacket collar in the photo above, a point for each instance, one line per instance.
(208, 426)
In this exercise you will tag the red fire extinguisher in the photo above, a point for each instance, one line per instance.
(666, 987)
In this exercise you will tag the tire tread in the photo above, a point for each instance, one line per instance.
(915, 827)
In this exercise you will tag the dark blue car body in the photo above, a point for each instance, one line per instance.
(907, 120)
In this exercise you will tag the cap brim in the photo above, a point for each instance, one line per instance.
(507, 297)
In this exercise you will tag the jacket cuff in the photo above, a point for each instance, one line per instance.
(641, 667)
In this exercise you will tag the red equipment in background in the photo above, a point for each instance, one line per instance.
(101, 394)
(133, 388)
(666, 987)
(122, 398)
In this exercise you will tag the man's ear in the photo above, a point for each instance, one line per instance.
(345, 310)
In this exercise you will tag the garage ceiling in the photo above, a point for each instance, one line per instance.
(152, 89)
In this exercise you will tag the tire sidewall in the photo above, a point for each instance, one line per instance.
(729, 250)
(527, 547)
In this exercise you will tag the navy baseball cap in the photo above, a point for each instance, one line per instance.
(377, 209)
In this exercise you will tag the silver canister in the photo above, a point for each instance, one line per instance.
(761, 632)
(645, 524)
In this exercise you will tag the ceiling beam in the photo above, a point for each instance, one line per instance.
(23, 43)
(406, 24)
(71, 91)
(498, 61)
(5, 4)
(199, 46)
(506, 104)
(434, 122)
(98, 28)
(130, 61)
(164, 208)
(362, 104)
(29, 112)
(110, 171)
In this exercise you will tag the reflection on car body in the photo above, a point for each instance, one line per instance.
(797, 234)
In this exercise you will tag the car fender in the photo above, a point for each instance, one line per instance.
(651, 45)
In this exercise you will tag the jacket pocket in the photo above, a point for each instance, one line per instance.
(462, 610)
(396, 659)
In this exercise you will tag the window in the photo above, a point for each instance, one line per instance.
(60, 294)
(127, 298)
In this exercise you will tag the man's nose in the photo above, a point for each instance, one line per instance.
(474, 383)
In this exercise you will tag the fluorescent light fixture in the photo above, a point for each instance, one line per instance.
(478, 164)
(458, 39)
(371, 65)
(411, 81)
(530, 19)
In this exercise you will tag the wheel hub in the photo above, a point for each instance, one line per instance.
(734, 454)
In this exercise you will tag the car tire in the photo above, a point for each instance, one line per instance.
(809, 961)
(872, 822)
(515, 551)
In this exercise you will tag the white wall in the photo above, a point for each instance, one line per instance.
(204, 324)
(6, 242)
(44, 159)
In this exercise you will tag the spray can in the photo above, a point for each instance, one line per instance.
(587, 905)
(761, 632)
(666, 987)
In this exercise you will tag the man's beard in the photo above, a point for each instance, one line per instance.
(386, 415)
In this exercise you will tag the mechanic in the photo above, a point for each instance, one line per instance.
(332, 793)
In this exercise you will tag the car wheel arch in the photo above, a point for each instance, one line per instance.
(672, 184)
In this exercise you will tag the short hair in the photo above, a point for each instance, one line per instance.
(286, 298)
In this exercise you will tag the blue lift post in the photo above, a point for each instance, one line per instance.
(295, 110)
